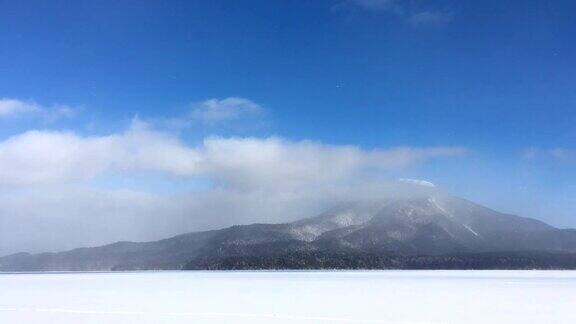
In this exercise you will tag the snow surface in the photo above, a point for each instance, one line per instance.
(434, 202)
(394, 297)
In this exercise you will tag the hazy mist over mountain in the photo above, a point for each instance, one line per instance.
(417, 229)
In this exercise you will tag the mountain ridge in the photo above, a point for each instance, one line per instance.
(435, 230)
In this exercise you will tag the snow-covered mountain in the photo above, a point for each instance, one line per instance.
(386, 233)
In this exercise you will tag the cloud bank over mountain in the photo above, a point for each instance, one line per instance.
(76, 190)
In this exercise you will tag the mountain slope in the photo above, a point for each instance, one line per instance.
(391, 234)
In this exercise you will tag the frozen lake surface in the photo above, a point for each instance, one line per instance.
(396, 297)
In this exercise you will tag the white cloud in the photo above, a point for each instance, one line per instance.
(51, 157)
(13, 108)
(277, 163)
(37, 157)
(215, 110)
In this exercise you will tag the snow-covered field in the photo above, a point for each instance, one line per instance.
(408, 297)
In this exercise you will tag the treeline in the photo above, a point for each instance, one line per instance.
(315, 260)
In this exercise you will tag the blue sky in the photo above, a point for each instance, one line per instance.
(494, 78)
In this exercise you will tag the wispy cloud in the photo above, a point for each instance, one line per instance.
(404, 9)
(217, 110)
(231, 112)
(430, 18)
(557, 154)
(375, 4)
(11, 108)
